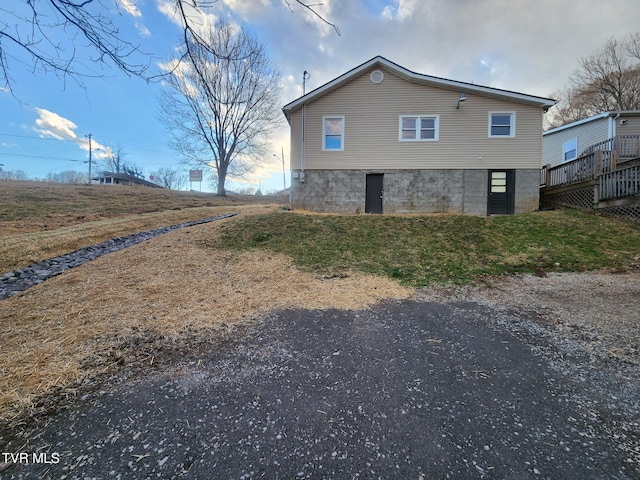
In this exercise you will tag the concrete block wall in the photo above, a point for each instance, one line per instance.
(476, 191)
(408, 191)
(527, 195)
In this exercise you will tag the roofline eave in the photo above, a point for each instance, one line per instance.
(414, 77)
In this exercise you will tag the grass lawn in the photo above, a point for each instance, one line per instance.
(426, 249)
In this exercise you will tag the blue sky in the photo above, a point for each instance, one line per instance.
(530, 46)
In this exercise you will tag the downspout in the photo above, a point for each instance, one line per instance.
(305, 76)
(612, 133)
(301, 177)
(612, 125)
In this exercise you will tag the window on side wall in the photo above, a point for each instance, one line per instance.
(570, 150)
(422, 128)
(502, 124)
(333, 133)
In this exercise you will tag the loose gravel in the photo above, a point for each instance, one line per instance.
(456, 383)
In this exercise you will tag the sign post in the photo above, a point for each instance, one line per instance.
(195, 176)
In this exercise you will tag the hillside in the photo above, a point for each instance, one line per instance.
(43, 220)
(35, 206)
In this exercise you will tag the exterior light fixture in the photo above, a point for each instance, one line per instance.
(462, 99)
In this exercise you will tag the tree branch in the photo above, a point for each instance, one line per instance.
(311, 8)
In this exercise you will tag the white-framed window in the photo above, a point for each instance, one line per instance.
(419, 128)
(570, 150)
(333, 133)
(502, 124)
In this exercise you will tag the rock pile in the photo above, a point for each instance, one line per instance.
(19, 280)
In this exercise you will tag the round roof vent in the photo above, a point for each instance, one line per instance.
(376, 76)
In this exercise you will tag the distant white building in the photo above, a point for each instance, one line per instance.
(111, 178)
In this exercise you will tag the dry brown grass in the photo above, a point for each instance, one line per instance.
(23, 248)
(92, 319)
(34, 206)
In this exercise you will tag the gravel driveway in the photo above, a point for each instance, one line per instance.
(441, 386)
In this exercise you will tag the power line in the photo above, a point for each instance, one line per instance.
(80, 141)
(40, 156)
(42, 138)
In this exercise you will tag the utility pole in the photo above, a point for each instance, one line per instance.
(89, 137)
(284, 175)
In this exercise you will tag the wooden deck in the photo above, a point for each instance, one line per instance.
(601, 158)
(604, 176)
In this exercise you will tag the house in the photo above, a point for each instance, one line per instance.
(594, 164)
(568, 142)
(111, 178)
(381, 138)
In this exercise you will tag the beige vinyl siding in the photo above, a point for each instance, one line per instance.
(587, 134)
(632, 127)
(371, 140)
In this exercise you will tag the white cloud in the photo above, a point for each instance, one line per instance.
(98, 151)
(198, 18)
(400, 10)
(168, 9)
(243, 7)
(142, 30)
(51, 124)
(130, 7)
(269, 168)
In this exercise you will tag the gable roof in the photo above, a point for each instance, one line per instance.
(418, 78)
(627, 113)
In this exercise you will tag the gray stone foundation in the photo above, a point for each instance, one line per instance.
(408, 191)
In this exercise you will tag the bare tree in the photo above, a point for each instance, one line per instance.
(572, 105)
(606, 80)
(115, 160)
(68, 176)
(223, 102)
(30, 31)
(311, 7)
(133, 170)
(30, 34)
(169, 177)
(13, 175)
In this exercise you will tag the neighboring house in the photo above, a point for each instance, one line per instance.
(594, 164)
(111, 178)
(381, 138)
(568, 142)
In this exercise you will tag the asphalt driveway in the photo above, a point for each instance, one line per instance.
(406, 389)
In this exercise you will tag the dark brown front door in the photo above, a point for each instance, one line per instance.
(501, 192)
(374, 191)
